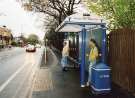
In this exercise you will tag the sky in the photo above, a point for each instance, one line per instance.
(20, 21)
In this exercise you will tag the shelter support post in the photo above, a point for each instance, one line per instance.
(83, 46)
(103, 50)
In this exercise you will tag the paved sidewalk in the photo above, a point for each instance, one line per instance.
(51, 82)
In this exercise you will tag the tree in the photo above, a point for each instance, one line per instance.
(14, 43)
(120, 13)
(55, 12)
(58, 9)
(33, 39)
(23, 38)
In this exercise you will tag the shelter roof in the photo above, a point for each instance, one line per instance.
(75, 22)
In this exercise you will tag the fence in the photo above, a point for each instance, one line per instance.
(122, 58)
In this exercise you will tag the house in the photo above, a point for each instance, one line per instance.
(5, 37)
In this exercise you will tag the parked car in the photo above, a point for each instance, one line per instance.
(9, 46)
(30, 48)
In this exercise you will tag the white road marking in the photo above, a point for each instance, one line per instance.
(2, 87)
(28, 59)
(23, 81)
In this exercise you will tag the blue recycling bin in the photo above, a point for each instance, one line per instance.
(100, 79)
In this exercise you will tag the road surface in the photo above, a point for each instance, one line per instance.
(17, 68)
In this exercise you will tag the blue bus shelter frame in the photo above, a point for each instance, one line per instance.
(83, 44)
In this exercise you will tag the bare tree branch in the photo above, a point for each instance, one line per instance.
(59, 9)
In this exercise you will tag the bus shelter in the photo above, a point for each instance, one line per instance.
(87, 26)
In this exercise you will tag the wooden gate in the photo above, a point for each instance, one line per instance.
(122, 58)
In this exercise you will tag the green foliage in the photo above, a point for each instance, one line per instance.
(33, 39)
(72, 34)
(13, 43)
(120, 13)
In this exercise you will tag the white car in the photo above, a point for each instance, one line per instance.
(30, 48)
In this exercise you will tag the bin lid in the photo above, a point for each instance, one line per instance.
(101, 66)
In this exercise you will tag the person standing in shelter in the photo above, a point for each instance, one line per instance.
(65, 54)
(93, 57)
